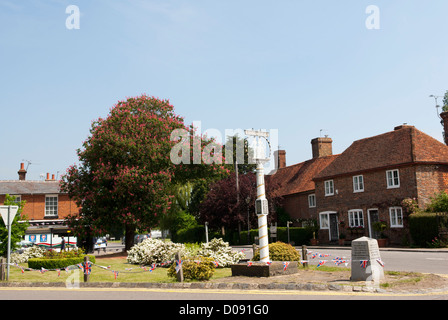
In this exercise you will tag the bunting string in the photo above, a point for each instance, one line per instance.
(86, 268)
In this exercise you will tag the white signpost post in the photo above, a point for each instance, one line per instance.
(8, 213)
(261, 203)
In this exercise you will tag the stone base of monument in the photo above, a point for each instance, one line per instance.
(261, 269)
(366, 260)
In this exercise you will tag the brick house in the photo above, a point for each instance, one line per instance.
(369, 180)
(296, 185)
(45, 207)
(366, 183)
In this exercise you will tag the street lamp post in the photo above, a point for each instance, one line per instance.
(287, 225)
(248, 219)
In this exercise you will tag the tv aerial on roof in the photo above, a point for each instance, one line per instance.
(437, 105)
(28, 162)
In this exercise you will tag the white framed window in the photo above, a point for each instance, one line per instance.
(17, 198)
(358, 183)
(396, 217)
(329, 188)
(393, 178)
(324, 219)
(51, 205)
(355, 218)
(312, 200)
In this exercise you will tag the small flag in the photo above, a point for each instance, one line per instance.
(178, 265)
(87, 267)
(380, 262)
(249, 263)
(285, 265)
(115, 274)
(321, 263)
(216, 263)
(59, 272)
(268, 263)
(363, 263)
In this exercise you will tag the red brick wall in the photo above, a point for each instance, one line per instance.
(375, 196)
(296, 206)
(431, 179)
(35, 206)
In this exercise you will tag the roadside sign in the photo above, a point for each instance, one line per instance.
(8, 213)
(12, 210)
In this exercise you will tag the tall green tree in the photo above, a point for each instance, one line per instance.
(445, 101)
(17, 228)
(125, 170)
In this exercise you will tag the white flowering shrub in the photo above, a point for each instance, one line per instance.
(221, 252)
(151, 251)
(28, 253)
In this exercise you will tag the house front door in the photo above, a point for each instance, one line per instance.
(373, 217)
(334, 227)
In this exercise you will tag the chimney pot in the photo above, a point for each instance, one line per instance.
(22, 172)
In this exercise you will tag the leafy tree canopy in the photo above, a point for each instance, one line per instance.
(126, 173)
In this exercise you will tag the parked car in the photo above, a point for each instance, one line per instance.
(155, 234)
(100, 243)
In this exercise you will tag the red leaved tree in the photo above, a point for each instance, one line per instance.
(221, 208)
(125, 170)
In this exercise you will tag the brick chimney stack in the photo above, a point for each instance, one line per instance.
(22, 172)
(281, 158)
(322, 147)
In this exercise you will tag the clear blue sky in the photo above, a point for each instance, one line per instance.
(292, 65)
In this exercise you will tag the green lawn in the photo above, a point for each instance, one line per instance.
(98, 274)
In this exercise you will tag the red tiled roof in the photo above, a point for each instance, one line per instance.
(404, 145)
(299, 177)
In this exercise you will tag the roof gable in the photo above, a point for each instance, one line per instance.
(299, 177)
(20, 187)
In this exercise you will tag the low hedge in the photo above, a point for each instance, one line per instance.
(279, 251)
(38, 263)
(299, 236)
(424, 227)
(199, 268)
(194, 234)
